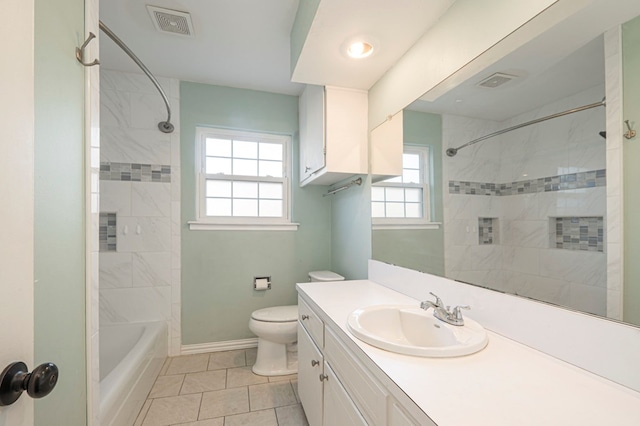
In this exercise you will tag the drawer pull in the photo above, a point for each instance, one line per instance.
(314, 362)
(304, 317)
(323, 377)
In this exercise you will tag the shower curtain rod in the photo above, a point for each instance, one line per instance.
(164, 126)
(453, 151)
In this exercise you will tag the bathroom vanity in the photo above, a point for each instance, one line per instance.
(342, 380)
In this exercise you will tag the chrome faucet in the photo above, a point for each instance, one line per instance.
(453, 317)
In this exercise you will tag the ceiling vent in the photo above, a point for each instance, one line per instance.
(495, 80)
(171, 21)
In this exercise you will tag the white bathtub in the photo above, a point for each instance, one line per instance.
(131, 356)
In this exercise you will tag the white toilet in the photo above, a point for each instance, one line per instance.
(277, 329)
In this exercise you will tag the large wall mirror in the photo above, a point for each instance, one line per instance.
(536, 211)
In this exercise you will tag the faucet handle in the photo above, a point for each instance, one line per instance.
(438, 300)
(456, 311)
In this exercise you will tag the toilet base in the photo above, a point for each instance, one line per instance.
(274, 359)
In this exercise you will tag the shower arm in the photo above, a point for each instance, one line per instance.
(453, 151)
(164, 126)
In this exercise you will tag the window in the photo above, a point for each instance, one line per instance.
(243, 179)
(404, 200)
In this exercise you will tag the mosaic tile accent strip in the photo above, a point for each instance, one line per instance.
(135, 172)
(577, 233)
(107, 231)
(590, 179)
(487, 230)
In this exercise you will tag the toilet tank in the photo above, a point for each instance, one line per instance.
(315, 276)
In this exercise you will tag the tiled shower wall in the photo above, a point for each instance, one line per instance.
(513, 177)
(140, 184)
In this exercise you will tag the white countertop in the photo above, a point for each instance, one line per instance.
(506, 383)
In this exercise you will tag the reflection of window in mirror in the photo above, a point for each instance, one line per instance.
(404, 200)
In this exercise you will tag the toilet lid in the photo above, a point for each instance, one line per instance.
(276, 314)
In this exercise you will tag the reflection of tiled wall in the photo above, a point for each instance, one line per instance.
(555, 169)
(488, 230)
(140, 182)
(590, 179)
(577, 233)
(135, 172)
(107, 232)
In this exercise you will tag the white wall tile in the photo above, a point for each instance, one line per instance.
(115, 109)
(135, 304)
(144, 234)
(126, 145)
(151, 199)
(151, 269)
(115, 270)
(115, 197)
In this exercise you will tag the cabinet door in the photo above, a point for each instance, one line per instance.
(310, 369)
(311, 108)
(338, 407)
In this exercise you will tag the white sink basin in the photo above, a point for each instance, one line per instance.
(409, 330)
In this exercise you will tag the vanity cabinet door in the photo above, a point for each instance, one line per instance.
(339, 409)
(310, 370)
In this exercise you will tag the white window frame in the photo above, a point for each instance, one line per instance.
(204, 222)
(424, 222)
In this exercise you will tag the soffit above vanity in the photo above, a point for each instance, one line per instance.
(323, 29)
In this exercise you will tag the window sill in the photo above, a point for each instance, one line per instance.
(208, 226)
(399, 226)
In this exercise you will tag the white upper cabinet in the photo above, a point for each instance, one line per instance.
(386, 148)
(333, 134)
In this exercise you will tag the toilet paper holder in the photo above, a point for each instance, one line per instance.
(262, 283)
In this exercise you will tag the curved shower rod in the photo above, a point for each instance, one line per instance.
(453, 151)
(164, 126)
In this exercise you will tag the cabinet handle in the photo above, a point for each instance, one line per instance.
(304, 317)
(323, 377)
(314, 362)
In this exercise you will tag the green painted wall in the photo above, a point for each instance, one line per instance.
(631, 112)
(422, 249)
(218, 266)
(59, 209)
(351, 231)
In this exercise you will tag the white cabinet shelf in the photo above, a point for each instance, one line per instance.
(334, 141)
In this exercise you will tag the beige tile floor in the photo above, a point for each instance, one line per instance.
(219, 389)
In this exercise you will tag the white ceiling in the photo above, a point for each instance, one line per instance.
(245, 43)
(237, 43)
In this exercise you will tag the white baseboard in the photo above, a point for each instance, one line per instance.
(229, 345)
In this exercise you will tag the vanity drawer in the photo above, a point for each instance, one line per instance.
(368, 394)
(311, 322)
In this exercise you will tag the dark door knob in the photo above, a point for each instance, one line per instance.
(16, 379)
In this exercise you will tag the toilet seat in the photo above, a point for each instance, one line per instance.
(276, 314)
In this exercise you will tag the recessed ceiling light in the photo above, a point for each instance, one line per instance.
(359, 49)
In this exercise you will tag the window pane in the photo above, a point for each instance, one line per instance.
(270, 168)
(411, 161)
(395, 209)
(270, 208)
(411, 176)
(218, 165)
(413, 195)
(377, 193)
(219, 188)
(245, 208)
(395, 194)
(242, 149)
(271, 151)
(218, 207)
(413, 210)
(377, 209)
(271, 190)
(218, 147)
(245, 189)
(245, 167)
